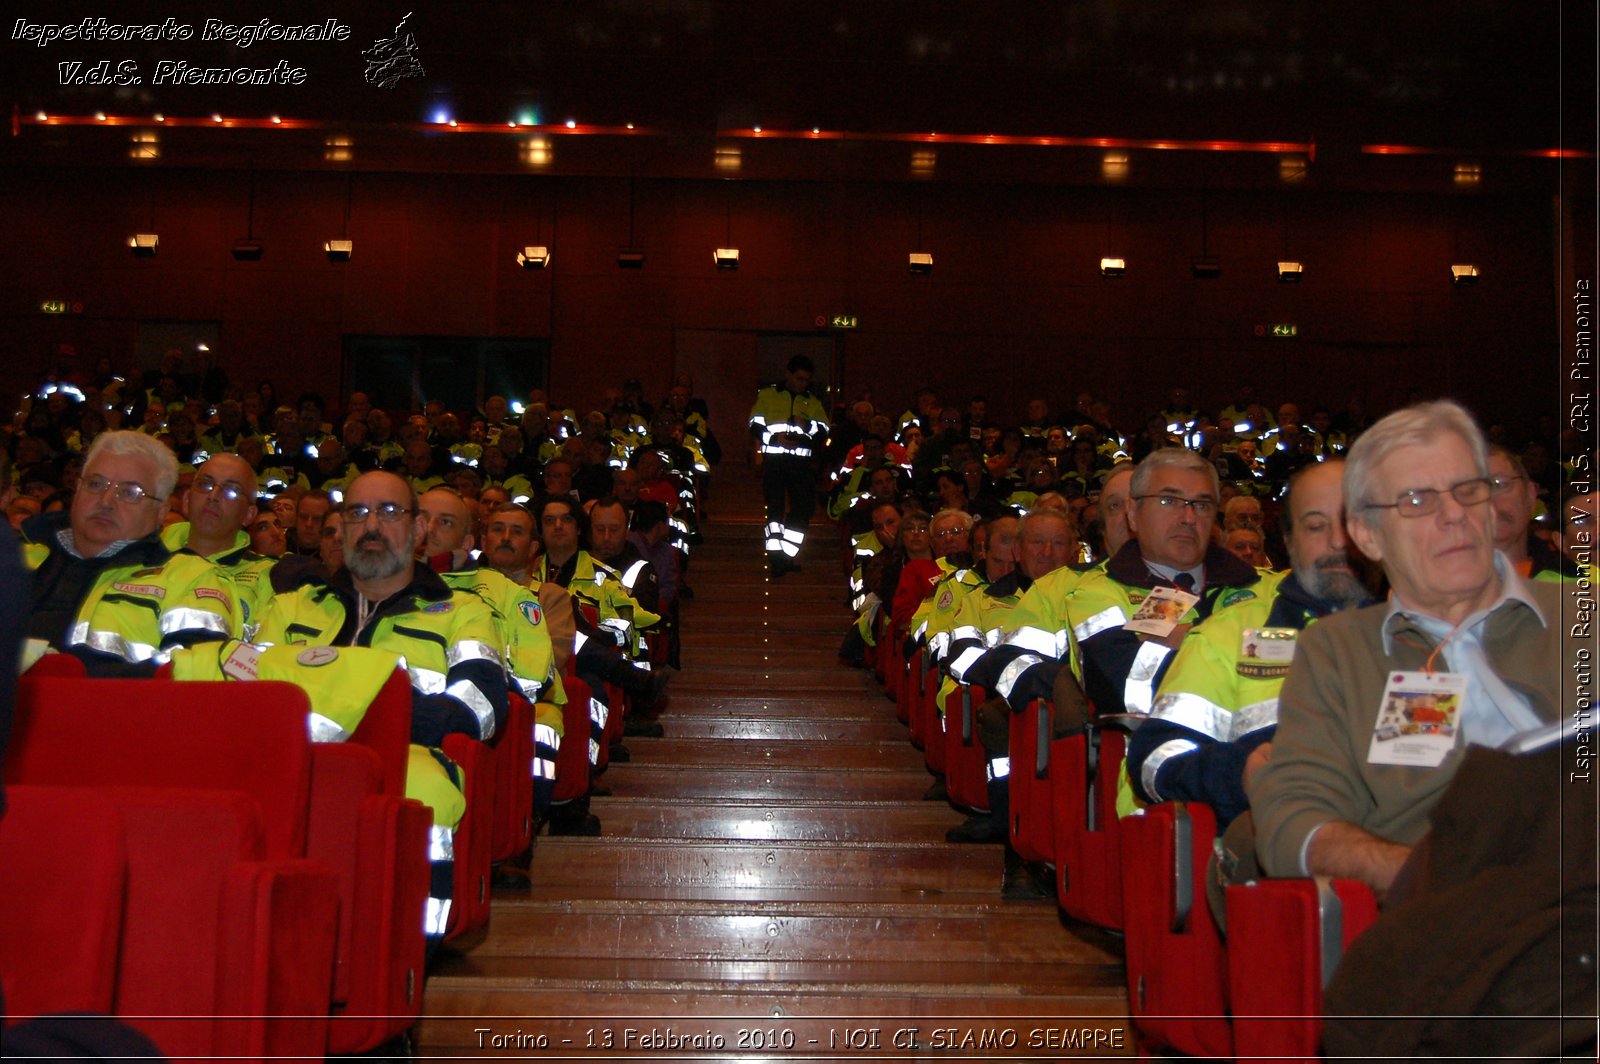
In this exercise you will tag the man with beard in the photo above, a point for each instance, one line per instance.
(451, 645)
(1217, 706)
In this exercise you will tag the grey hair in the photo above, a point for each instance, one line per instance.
(1116, 470)
(1172, 458)
(1405, 428)
(138, 445)
(963, 518)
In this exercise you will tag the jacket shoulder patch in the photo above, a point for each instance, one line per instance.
(1237, 595)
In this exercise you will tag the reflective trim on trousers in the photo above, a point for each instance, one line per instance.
(436, 917)
(1160, 756)
(997, 768)
(441, 843)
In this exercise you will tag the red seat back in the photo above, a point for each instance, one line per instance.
(513, 787)
(64, 844)
(1285, 937)
(1032, 818)
(572, 760)
(227, 736)
(1177, 968)
(966, 764)
(386, 729)
(1083, 771)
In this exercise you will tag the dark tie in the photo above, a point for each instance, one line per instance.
(1184, 582)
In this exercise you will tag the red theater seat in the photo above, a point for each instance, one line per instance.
(1177, 968)
(572, 760)
(65, 844)
(1083, 782)
(966, 764)
(474, 837)
(1032, 818)
(513, 786)
(1285, 938)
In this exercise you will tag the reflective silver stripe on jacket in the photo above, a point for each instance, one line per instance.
(599, 713)
(108, 642)
(1158, 757)
(325, 729)
(1254, 717)
(1110, 617)
(997, 768)
(1195, 713)
(965, 660)
(467, 693)
(471, 650)
(1013, 672)
(184, 619)
(631, 574)
(530, 688)
(1033, 640)
(426, 681)
(1140, 689)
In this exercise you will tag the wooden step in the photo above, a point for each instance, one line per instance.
(877, 728)
(781, 931)
(839, 821)
(748, 868)
(819, 707)
(818, 654)
(839, 757)
(690, 782)
(797, 684)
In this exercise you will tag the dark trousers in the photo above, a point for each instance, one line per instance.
(789, 489)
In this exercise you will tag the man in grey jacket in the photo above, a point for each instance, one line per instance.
(1381, 703)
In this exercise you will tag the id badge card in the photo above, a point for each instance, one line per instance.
(1161, 611)
(1418, 719)
(1265, 653)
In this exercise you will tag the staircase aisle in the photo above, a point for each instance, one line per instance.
(769, 874)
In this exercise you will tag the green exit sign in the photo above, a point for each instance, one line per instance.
(1284, 330)
(845, 321)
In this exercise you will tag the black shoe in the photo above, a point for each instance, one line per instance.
(620, 754)
(632, 727)
(586, 826)
(936, 792)
(979, 828)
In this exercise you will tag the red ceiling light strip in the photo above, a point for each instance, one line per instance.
(1411, 149)
(1309, 149)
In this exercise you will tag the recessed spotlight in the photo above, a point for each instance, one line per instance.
(144, 245)
(339, 250)
(1110, 267)
(1464, 274)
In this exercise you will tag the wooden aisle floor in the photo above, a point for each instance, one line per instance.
(770, 883)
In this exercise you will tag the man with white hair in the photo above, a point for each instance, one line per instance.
(105, 588)
(1381, 704)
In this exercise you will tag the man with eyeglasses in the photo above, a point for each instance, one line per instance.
(1214, 716)
(1082, 623)
(220, 503)
(525, 641)
(384, 599)
(1512, 501)
(106, 589)
(1381, 704)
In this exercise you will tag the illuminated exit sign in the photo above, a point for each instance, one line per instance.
(59, 306)
(845, 321)
(1283, 330)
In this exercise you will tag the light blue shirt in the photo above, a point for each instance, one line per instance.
(1492, 711)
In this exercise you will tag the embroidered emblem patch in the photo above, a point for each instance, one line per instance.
(153, 590)
(213, 593)
(946, 598)
(439, 607)
(312, 657)
(531, 612)
(1237, 595)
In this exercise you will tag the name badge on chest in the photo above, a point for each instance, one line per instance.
(1161, 611)
(1418, 719)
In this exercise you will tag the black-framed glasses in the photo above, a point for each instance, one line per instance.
(1420, 502)
(387, 512)
(206, 485)
(1174, 503)
(126, 491)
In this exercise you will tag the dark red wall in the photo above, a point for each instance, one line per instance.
(1015, 305)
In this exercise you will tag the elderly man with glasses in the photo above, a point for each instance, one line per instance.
(105, 587)
(219, 504)
(1381, 704)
